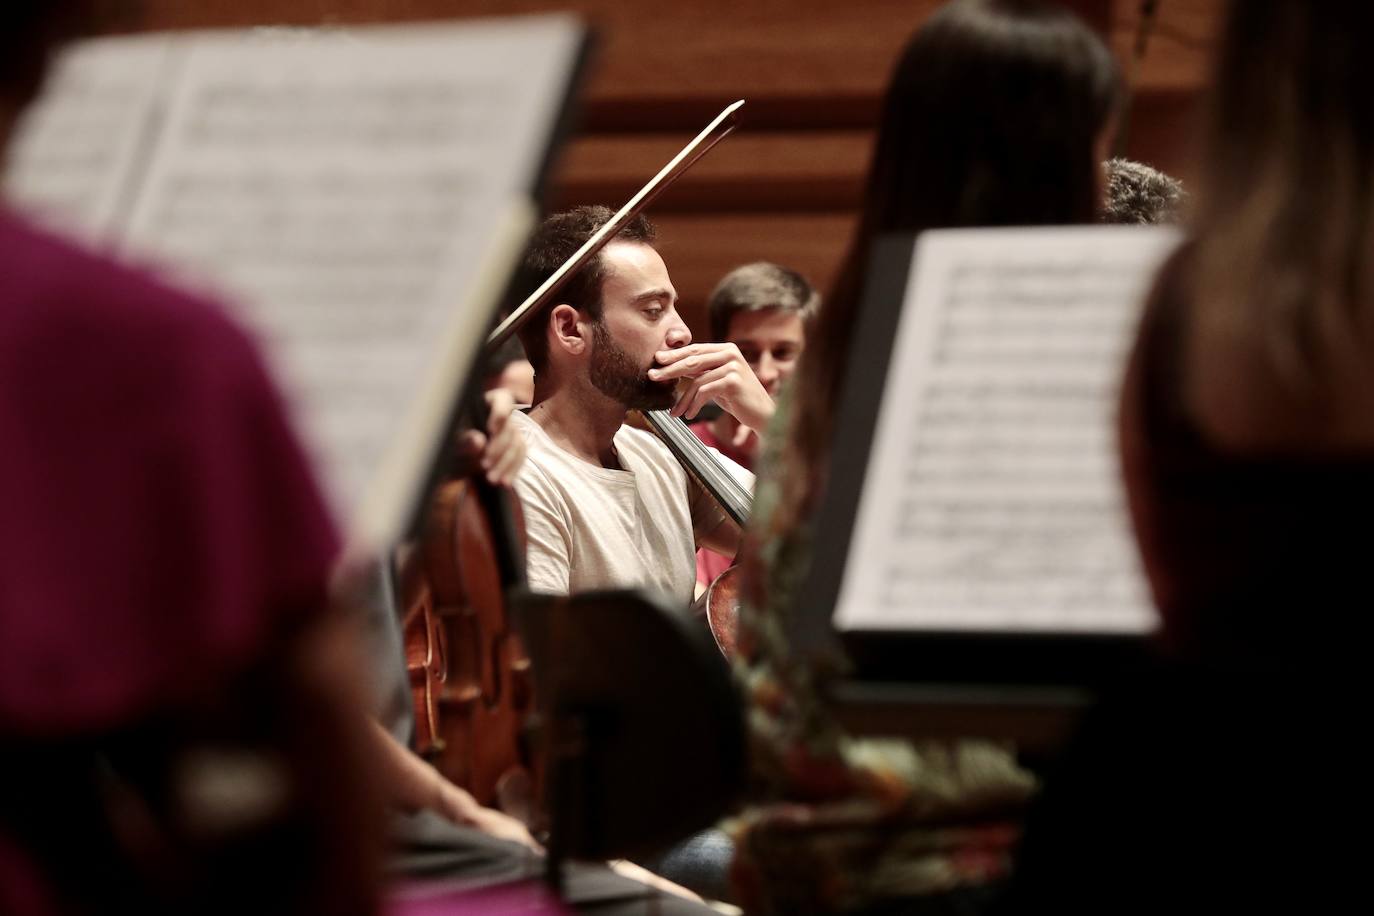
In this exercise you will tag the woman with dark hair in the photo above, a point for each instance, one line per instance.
(998, 113)
(1255, 363)
(1217, 777)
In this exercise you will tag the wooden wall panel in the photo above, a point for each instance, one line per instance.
(1170, 80)
(700, 248)
(787, 185)
(749, 172)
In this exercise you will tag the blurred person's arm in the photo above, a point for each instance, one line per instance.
(412, 785)
(410, 782)
(500, 450)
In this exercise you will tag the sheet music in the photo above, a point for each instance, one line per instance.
(76, 155)
(359, 196)
(992, 499)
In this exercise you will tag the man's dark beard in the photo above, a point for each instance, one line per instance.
(615, 375)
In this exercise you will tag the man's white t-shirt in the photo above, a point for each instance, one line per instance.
(590, 527)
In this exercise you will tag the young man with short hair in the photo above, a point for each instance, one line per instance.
(606, 505)
(764, 310)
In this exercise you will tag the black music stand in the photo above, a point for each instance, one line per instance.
(642, 731)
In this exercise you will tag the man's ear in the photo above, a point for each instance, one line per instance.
(567, 330)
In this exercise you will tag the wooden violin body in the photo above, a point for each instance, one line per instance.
(469, 674)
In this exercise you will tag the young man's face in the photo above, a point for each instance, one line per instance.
(771, 341)
(638, 318)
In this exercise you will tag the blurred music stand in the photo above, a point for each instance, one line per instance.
(642, 729)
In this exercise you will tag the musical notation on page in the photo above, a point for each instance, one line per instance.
(992, 500)
(358, 196)
(77, 157)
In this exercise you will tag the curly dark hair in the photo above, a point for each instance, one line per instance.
(1140, 195)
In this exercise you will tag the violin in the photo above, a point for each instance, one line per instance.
(470, 676)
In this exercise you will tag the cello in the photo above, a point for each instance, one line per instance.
(720, 604)
(469, 674)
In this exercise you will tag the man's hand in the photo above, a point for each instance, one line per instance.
(717, 372)
(501, 450)
(745, 439)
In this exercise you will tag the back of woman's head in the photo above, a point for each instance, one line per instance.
(1285, 221)
(993, 117)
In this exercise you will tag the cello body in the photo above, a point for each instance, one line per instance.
(469, 674)
(722, 601)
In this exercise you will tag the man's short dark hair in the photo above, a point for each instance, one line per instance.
(557, 240)
(759, 287)
(1140, 195)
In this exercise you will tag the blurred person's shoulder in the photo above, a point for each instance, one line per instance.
(64, 308)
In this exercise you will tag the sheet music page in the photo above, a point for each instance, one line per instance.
(360, 197)
(992, 499)
(76, 156)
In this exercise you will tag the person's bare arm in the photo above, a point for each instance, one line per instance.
(411, 784)
(724, 539)
(725, 536)
(500, 449)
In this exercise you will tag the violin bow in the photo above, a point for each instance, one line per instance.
(716, 131)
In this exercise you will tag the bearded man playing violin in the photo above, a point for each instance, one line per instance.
(606, 505)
